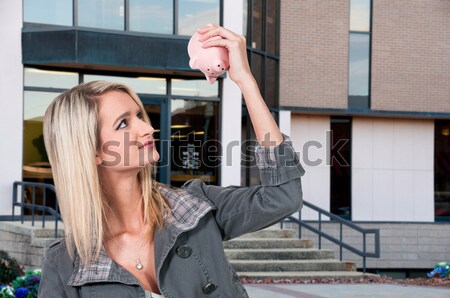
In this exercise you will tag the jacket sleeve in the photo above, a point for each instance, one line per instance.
(51, 285)
(240, 210)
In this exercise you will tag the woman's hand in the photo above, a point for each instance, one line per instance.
(239, 70)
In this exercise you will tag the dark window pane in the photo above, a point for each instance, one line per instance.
(101, 14)
(442, 170)
(359, 64)
(272, 27)
(257, 25)
(194, 141)
(193, 14)
(340, 170)
(154, 16)
(360, 15)
(55, 12)
(271, 76)
(257, 69)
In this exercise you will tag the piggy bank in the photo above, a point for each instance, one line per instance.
(211, 61)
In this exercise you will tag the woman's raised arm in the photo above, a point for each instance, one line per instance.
(266, 129)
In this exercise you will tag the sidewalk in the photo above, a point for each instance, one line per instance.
(344, 291)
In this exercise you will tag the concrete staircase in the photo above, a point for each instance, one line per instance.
(278, 254)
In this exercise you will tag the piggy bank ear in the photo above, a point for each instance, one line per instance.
(192, 62)
(210, 79)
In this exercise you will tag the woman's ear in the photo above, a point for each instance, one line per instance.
(98, 160)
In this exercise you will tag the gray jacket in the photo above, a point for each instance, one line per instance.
(189, 257)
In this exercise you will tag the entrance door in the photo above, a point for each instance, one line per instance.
(159, 114)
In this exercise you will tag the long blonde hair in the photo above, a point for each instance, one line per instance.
(71, 135)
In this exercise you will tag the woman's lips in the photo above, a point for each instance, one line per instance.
(148, 144)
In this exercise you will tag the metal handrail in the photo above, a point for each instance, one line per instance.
(335, 218)
(44, 208)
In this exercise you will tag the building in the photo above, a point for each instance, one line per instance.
(361, 86)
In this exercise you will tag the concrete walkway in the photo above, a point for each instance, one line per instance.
(344, 291)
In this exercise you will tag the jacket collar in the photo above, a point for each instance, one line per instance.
(187, 210)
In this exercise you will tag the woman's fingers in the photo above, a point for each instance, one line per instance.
(213, 30)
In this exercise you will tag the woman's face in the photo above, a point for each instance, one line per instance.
(126, 139)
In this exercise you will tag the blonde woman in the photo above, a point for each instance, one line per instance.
(128, 236)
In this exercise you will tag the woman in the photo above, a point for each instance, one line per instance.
(128, 236)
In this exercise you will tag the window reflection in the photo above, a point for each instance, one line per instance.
(198, 88)
(101, 14)
(359, 64)
(34, 77)
(194, 141)
(193, 14)
(139, 85)
(55, 12)
(360, 15)
(154, 16)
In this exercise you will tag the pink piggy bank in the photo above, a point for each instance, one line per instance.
(211, 61)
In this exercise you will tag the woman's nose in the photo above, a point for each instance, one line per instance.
(146, 129)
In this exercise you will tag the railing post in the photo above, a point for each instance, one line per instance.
(340, 239)
(364, 251)
(299, 226)
(320, 229)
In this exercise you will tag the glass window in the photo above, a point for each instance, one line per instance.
(139, 85)
(245, 18)
(272, 27)
(359, 64)
(360, 15)
(154, 16)
(194, 141)
(101, 14)
(50, 79)
(198, 88)
(55, 12)
(35, 104)
(271, 92)
(257, 69)
(442, 170)
(193, 14)
(340, 170)
(257, 25)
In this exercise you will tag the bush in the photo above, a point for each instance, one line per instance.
(9, 268)
(25, 286)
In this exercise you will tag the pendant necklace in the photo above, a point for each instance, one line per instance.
(139, 265)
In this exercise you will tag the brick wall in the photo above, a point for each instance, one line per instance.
(411, 55)
(313, 53)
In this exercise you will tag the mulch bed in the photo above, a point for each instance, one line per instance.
(432, 282)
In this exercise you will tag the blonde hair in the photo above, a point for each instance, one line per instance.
(71, 135)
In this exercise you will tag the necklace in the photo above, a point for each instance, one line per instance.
(139, 265)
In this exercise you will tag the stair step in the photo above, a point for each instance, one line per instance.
(267, 243)
(302, 275)
(277, 254)
(42, 242)
(291, 265)
(273, 233)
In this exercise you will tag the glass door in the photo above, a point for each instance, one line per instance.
(159, 113)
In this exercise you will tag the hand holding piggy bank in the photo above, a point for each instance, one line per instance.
(211, 61)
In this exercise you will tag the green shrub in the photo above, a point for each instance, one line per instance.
(9, 268)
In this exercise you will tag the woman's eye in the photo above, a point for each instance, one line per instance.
(140, 116)
(122, 124)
